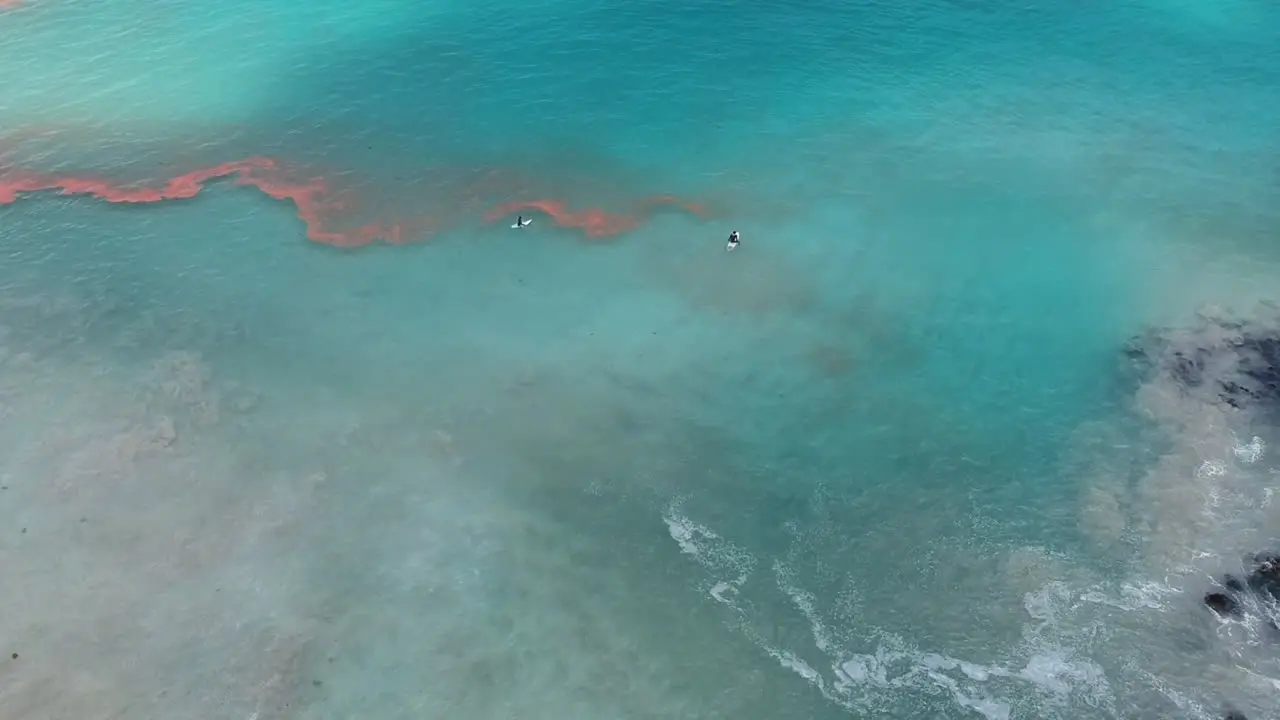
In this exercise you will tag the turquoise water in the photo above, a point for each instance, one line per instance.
(885, 460)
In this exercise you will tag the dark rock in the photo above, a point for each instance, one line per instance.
(1258, 363)
(1223, 604)
(1135, 351)
(1266, 562)
(1265, 575)
(1263, 581)
(1187, 370)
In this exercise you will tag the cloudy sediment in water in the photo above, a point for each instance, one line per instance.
(294, 425)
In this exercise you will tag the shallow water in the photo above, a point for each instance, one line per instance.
(888, 459)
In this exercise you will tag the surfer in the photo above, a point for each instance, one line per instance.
(521, 222)
(733, 241)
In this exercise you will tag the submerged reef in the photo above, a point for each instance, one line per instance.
(1221, 360)
(1231, 364)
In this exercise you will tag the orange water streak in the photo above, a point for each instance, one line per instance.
(317, 205)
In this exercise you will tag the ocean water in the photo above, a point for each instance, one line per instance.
(293, 425)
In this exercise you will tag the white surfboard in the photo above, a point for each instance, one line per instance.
(731, 247)
(519, 225)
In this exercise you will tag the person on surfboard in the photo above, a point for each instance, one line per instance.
(733, 240)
